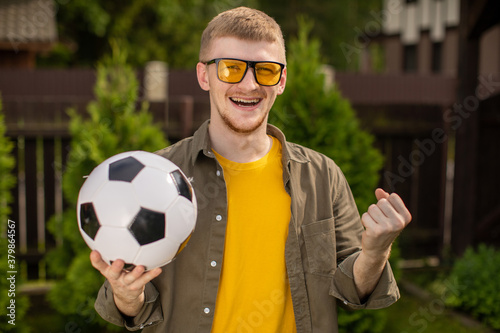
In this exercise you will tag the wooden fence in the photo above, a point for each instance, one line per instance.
(35, 104)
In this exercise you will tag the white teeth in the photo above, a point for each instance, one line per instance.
(249, 101)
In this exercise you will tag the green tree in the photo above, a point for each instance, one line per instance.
(10, 298)
(165, 30)
(170, 30)
(114, 125)
(315, 115)
(343, 27)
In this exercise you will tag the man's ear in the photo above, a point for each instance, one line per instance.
(202, 74)
(282, 83)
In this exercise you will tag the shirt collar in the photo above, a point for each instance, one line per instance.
(290, 151)
(201, 143)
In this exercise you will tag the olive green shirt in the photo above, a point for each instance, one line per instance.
(323, 243)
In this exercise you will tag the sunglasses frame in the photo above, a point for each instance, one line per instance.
(250, 64)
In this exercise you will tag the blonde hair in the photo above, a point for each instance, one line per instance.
(243, 23)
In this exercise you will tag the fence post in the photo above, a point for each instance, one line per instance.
(187, 117)
(156, 85)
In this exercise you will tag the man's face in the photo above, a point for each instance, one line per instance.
(242, 107)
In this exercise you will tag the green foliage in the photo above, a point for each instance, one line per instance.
(170, 30)
(114, 125)
(338, 24)
(8, 294)
(476, 284)
(413, 314)
(368, 321)
(165, 30)
(317, 116)
(7, 162)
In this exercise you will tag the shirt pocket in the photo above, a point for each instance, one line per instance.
(319, 239)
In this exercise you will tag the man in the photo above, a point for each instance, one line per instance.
(278, 241)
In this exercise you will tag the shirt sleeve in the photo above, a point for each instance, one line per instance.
(348, 240)
(149, 315)
(343, 288)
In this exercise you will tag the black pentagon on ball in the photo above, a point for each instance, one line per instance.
(148, 226)
(88, 220)
(182, 184)
(125, 169)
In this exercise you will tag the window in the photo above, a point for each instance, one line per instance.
(437, 57)
(410, 58)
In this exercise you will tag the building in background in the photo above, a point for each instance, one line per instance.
(459, 40)
(419, 35)
(27, 27)
(422, 37)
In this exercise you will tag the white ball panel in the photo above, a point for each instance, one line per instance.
(157, 254)
(116, 243)
(194, 203)
(155, 189)
(155, 161)
(181, 219)
(189, 211)
(116, 204)
(97, 178)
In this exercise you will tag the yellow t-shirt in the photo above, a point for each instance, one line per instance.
(254, 292)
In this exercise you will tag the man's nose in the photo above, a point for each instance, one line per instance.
(248, 80)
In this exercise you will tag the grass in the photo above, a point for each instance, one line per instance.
(422, 308)
(411, 315)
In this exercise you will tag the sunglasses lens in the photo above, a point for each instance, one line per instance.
(231, 71)
(268, 73)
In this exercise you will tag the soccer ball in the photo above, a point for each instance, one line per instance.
(138, 207)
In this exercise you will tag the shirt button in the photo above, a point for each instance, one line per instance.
(213, 263)
(218, 218)
(218, 173)
(206, 310)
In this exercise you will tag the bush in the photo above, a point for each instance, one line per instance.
(114, 126)
(475, 276)
(317, 116)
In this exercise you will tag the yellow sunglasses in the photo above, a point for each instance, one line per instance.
(266, 73)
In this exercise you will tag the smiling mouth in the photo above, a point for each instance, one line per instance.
(245, 102)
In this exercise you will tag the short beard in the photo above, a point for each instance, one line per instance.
(235, 129)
